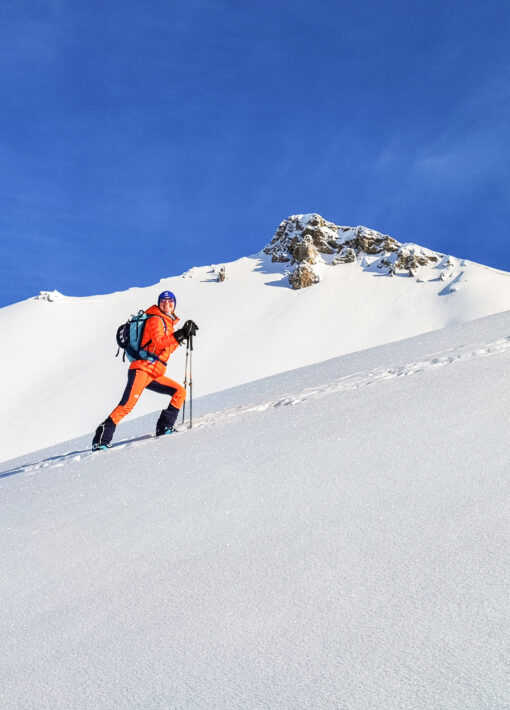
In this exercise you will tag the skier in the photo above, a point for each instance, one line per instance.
(160, 340)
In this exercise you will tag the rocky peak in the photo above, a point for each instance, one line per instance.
(308, 241)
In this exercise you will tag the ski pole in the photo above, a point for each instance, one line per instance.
(190, 383)
(185, 380)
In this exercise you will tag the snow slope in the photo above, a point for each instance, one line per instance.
(332, 537)
(62, 378)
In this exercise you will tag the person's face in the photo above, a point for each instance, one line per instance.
(167, 305)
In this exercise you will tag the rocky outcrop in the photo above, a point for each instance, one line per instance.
(303, 275)
(409, 259)
(298, 230)
(346, 256)
(367, 241)
(306, 242)
(49, 296)
(303, 249)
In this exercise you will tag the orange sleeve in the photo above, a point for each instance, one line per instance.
(155, 332)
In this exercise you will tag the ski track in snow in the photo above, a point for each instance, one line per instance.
(343, 384)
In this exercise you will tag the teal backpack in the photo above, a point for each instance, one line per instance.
(130, 338)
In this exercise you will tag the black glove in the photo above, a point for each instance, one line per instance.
(188, 329)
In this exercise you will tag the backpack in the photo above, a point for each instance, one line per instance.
(130, 339)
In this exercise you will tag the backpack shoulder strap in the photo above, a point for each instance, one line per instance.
(153, 315)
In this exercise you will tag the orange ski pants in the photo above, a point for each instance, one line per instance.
(138, 380)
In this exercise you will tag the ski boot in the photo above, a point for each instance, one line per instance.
(163, 431)
(166, 421)
(101, 447)
(104, 435)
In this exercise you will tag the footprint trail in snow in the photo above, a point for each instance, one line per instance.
(349, 382)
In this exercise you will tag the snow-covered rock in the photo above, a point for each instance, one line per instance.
(291, 233)
(49, 296)
(307, 240)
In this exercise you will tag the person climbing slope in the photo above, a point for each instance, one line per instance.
(159, 340)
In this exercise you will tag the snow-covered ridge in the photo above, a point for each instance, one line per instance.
(309, 240)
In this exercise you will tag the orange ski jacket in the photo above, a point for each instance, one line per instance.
(158, 338)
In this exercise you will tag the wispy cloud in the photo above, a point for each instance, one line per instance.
(475, 145)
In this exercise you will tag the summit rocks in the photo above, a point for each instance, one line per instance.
(307, 242)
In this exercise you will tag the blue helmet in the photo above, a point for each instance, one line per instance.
(166, 294)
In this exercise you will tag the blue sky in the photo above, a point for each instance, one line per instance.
(142, 137)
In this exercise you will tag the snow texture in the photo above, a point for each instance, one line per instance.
(331, 537)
